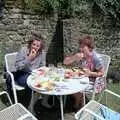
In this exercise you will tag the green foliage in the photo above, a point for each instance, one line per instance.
(111, 7)
(64, 8)
(45, 7)
(72, 8)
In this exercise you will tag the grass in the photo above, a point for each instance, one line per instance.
(110, 100)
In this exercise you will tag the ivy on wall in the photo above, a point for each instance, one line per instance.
(109, 7)
(71, 8)
(64, 8)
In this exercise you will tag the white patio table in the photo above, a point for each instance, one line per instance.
(62, 88)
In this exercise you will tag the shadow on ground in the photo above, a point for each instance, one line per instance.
(43, 113)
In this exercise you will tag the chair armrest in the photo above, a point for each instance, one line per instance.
(112, 93)
(13, 86)
(11, 75)
(108, 91)
(12, 78)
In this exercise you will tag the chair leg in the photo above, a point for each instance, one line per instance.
(32, 102)
(64, 101)
(84, 98)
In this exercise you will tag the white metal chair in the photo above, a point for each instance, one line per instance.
(14, 111)
(97, 111)
(106, 61)
(10, 59)
(5, 100)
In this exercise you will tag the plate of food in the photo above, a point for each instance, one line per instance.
(68, 73)
(76, 73)
(43, 85)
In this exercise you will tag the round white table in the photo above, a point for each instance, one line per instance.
(61, 88)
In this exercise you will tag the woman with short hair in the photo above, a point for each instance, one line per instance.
(87, 59)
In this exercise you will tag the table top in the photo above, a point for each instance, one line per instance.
(62, 87)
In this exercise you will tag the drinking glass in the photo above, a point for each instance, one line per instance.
(60, 69)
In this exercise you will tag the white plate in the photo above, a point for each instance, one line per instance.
(33, 83)
(78, 77)
(84, 80)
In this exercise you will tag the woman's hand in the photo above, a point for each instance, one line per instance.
(32, 55)
(78, 56)
(87, 72)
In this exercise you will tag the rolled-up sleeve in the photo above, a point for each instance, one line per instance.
(98, 63)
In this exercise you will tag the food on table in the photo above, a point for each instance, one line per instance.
(43, 70)
(81, 72)
(78, 71)
(54, 76)
(48, 85)
(68, 73)
(85, 69)
(38, 85)
(73, 72)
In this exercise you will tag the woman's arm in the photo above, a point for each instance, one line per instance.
(73, 58)
(68, 60)
(98, 73)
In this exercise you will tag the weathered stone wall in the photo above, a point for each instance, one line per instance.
(17, 26)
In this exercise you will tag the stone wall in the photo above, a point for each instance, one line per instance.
(60, 37)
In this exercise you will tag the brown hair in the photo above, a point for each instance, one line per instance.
(87, 41)
(38, 39)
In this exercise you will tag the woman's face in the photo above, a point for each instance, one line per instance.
(36, 45)
(85, 50)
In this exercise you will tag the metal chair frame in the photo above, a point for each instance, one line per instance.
(106, 61)
(10, 59)
(89, 110)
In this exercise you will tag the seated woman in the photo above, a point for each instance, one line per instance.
(28, 58)
(89, 60)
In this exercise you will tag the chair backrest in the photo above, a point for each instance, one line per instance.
(102, 80)
(106, 61)
(10, 59)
